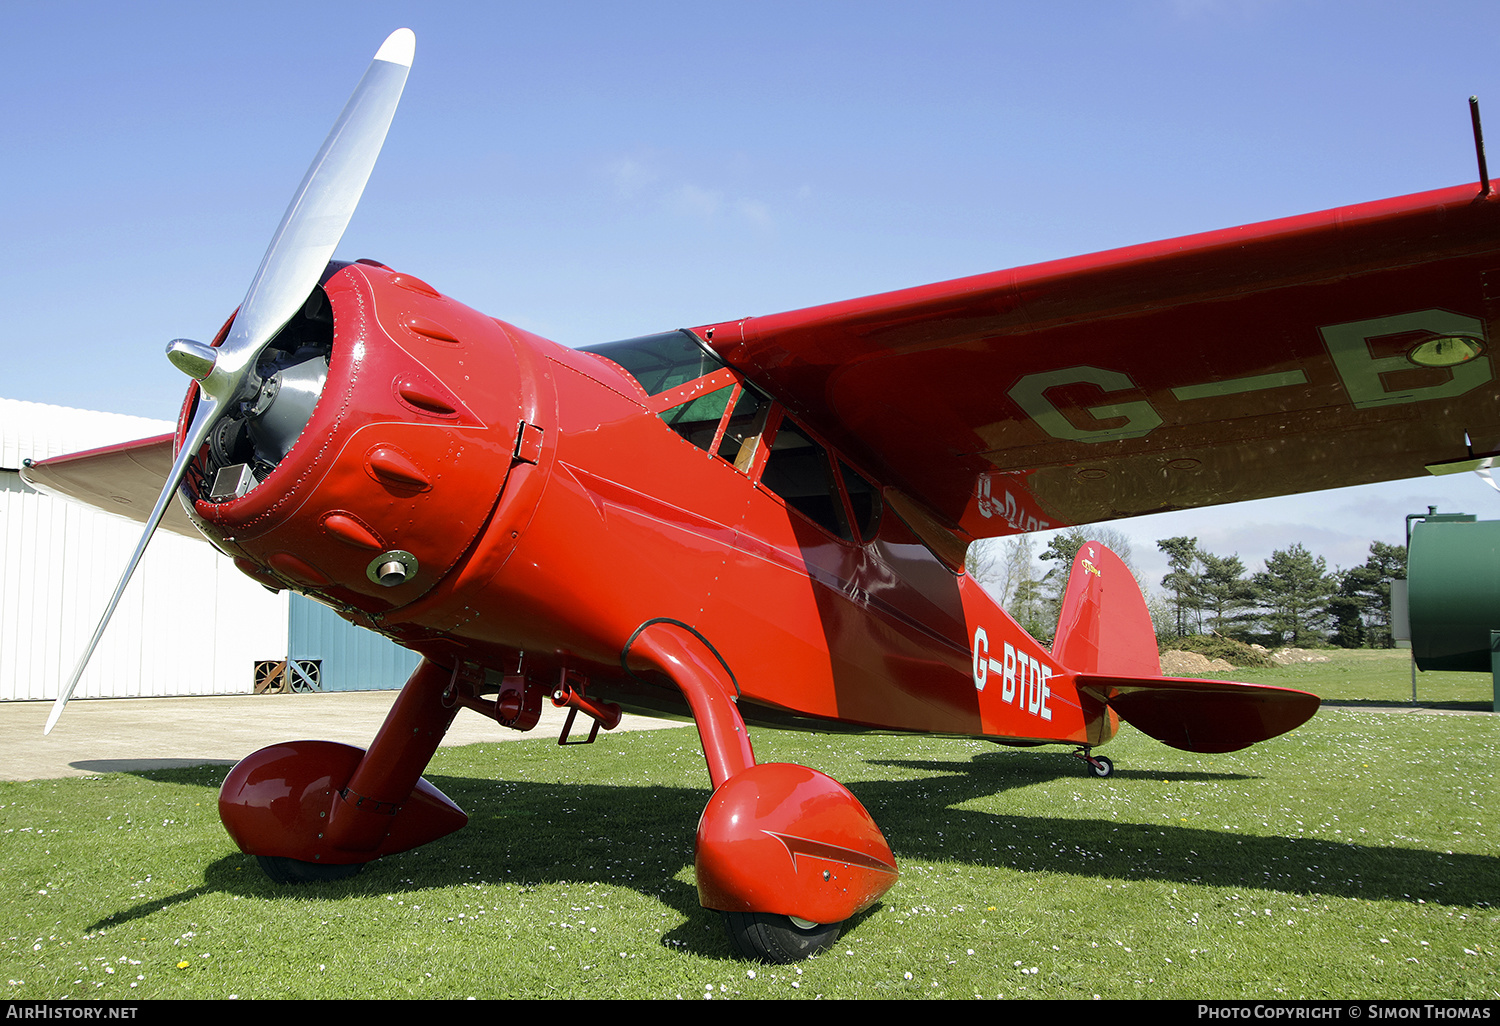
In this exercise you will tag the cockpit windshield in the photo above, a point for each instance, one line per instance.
(660, 362)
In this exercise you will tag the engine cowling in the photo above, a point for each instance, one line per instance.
(374, 448)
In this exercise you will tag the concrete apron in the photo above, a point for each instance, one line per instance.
(109, 735)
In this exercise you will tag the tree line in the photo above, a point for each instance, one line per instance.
(1295, 600)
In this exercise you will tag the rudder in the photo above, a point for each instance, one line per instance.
(1104, 626)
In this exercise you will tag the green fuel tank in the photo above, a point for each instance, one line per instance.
(1453, 566)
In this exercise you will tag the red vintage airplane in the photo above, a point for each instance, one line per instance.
(763, 521)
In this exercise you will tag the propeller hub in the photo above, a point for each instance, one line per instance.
(194, 359)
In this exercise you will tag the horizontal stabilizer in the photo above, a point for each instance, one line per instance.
(1202, 715)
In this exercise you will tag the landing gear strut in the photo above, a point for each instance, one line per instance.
(316, 810)
(786, 853)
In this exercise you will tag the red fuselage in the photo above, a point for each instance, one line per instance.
(550, 511)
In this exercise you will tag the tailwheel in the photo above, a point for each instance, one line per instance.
(294, 871)
(1099, 766)
(766, 937)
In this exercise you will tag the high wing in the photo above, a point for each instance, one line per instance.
(124, 479)
(1279, 357)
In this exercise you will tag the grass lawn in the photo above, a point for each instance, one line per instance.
(1353, 858)
(1374, 677)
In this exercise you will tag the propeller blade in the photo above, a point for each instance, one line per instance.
(197, 434)
(316, 218)
(300, 250)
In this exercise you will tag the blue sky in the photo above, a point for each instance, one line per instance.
(599, 170)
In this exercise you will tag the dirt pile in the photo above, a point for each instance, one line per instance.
(1191, 664)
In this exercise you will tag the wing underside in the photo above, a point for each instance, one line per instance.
(124, 479)
(1307, 353)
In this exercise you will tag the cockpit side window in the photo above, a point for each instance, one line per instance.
(798, 469)
(742, 433)
(709, 405)
(698, 419)
(864, 500)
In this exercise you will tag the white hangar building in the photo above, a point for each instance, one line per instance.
(188, 624)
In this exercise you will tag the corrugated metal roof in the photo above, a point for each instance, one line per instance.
(36, 430)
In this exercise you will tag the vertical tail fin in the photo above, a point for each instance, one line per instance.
(1104, 626)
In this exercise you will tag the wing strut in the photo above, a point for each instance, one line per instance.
(1484, 170)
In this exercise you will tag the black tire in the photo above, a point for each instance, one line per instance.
(284, 870)
(764, 937)
(1101, 767)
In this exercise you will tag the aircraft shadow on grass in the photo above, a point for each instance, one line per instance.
(529, 834)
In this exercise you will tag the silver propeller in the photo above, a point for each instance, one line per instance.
(299, 251)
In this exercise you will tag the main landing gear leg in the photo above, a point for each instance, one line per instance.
(784, 852)
(1098, 765)
(317, 810)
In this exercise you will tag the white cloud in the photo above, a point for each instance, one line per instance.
(696, 201)
(631, 177)
(640, 180)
